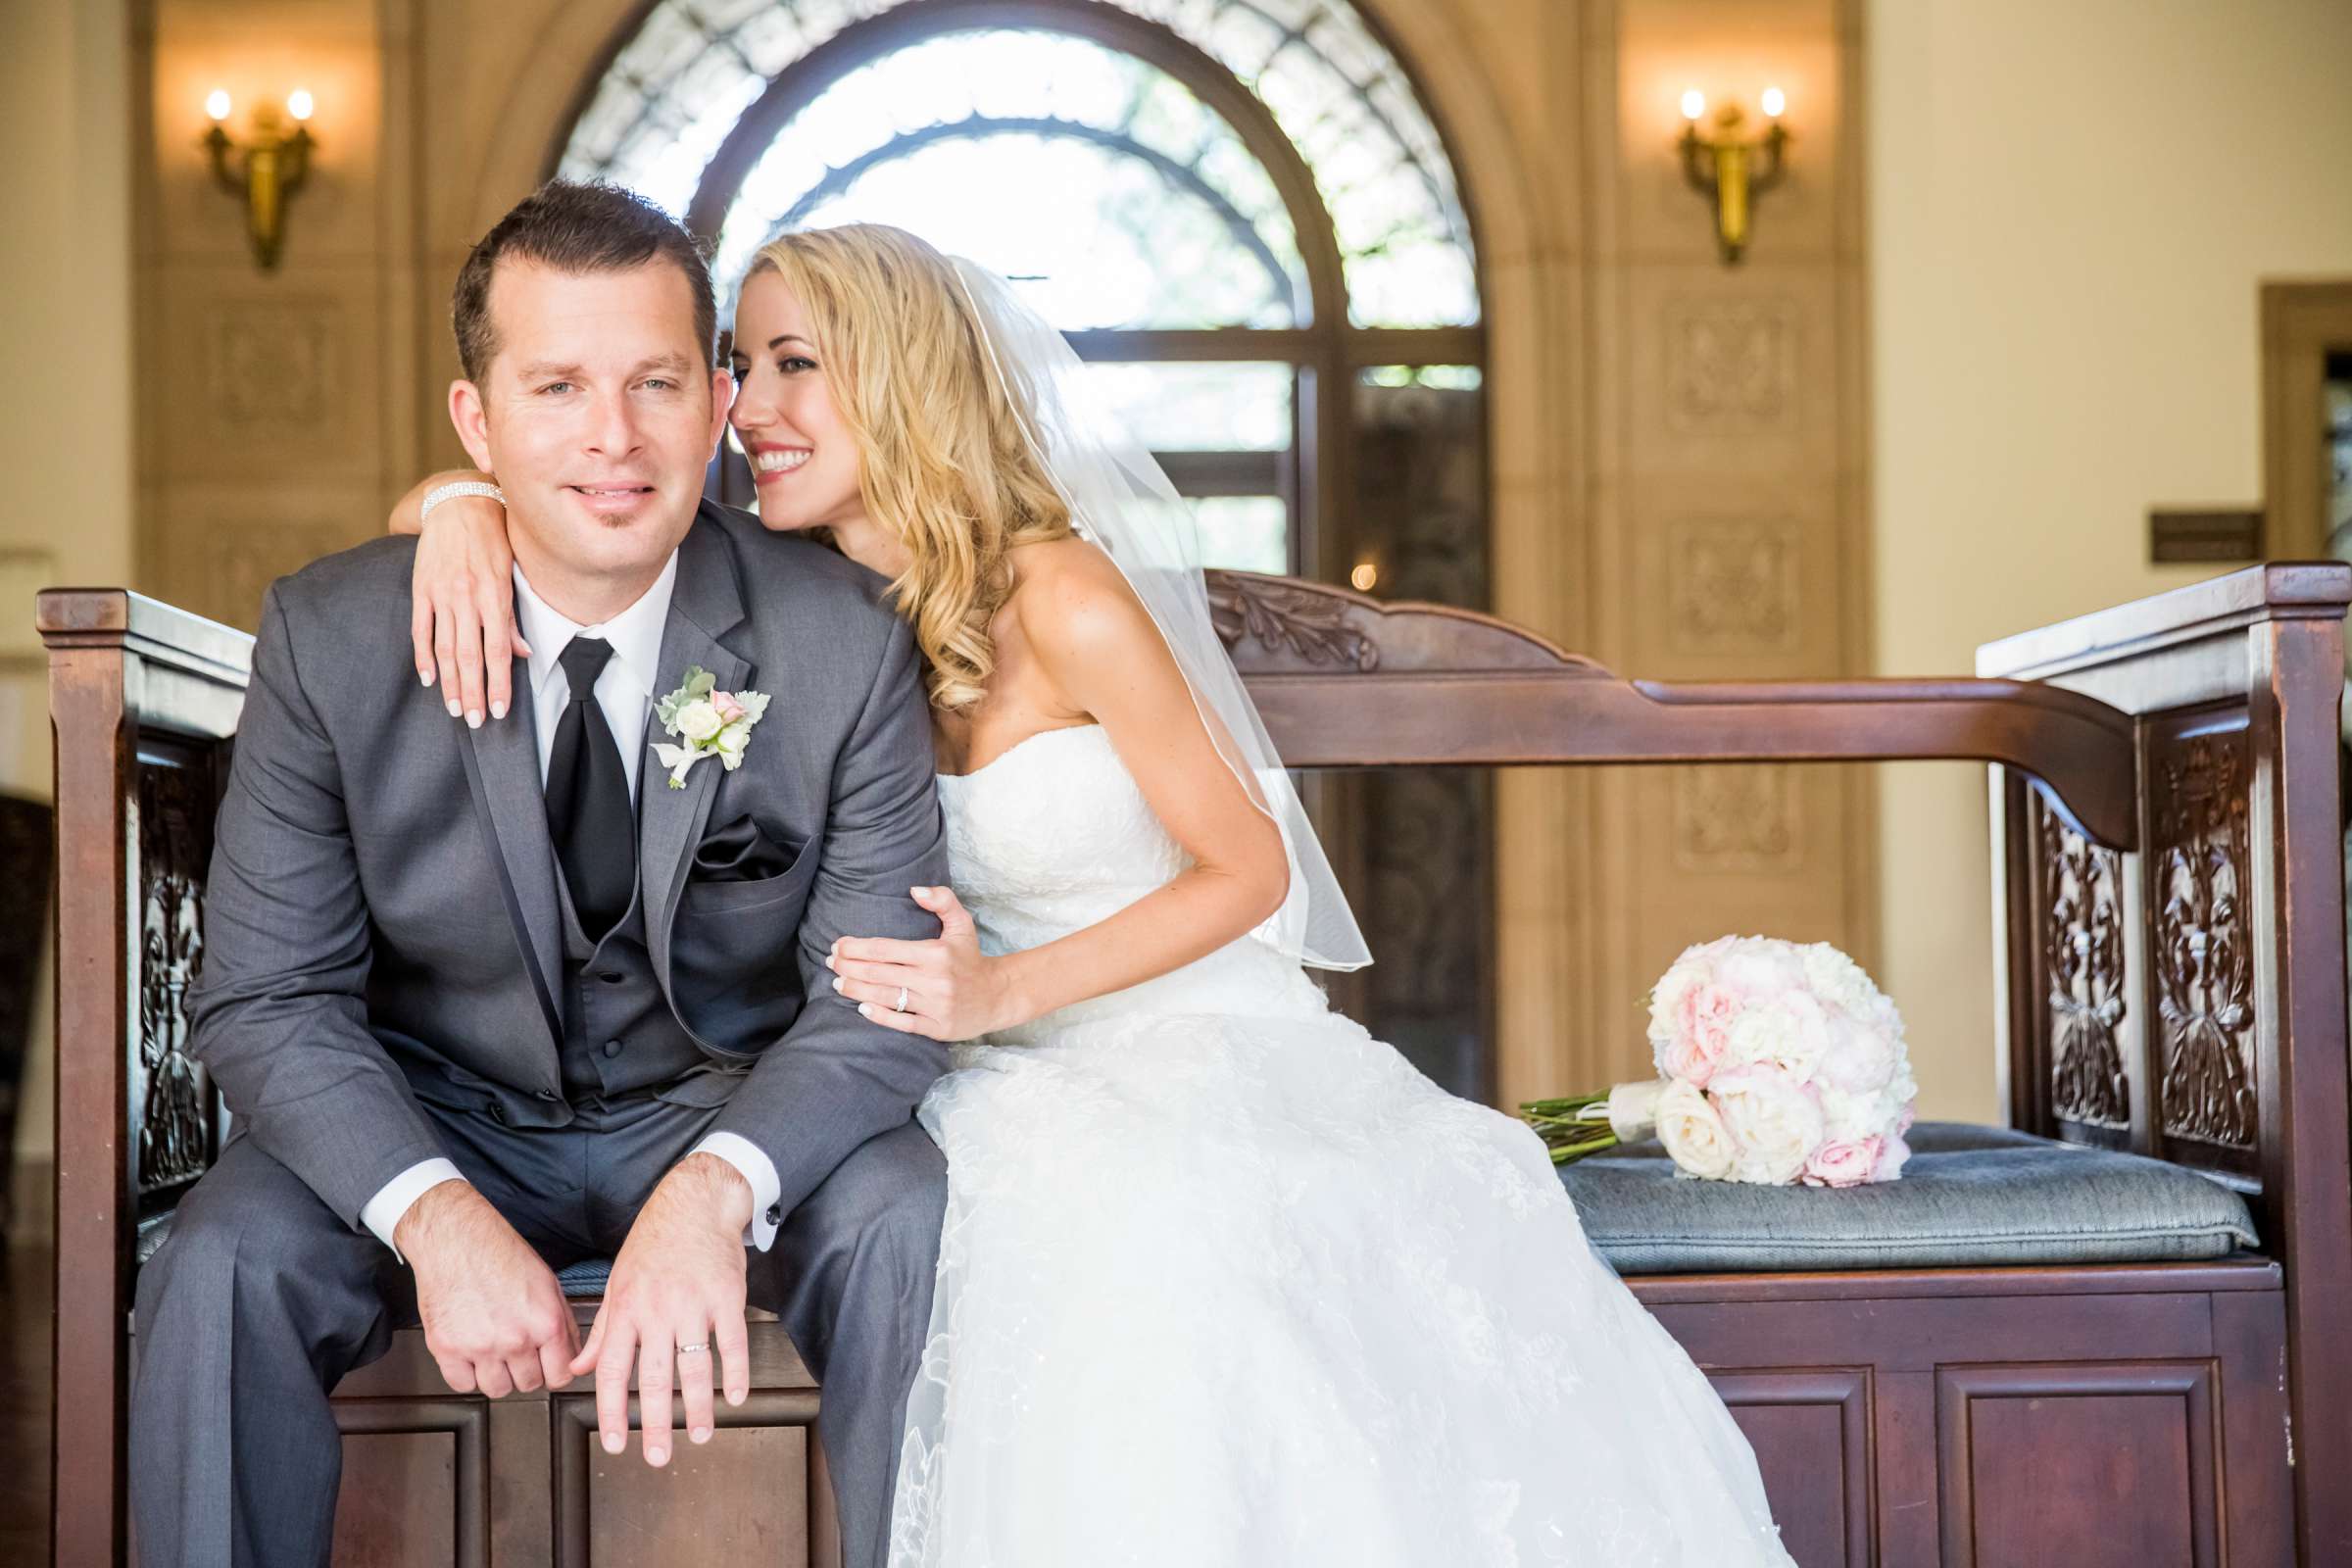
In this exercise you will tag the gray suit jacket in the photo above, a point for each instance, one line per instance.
(382, 918)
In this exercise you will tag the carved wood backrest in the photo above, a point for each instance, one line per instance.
(2185, 999)
(144, 700)
(2166, 786)
(1346, 681)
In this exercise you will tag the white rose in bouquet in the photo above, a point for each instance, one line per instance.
(1695, 1138)
(1775, 1123)
(1789, 1031)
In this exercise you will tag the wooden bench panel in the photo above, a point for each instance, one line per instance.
(1811, 1429)
(1966, 1416)
(531, 1484)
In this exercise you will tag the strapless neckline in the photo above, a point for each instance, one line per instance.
(1053, 835)
(1023, 743)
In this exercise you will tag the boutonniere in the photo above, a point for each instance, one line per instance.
(712, 724)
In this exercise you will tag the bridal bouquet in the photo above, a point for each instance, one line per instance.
(1777, 1063)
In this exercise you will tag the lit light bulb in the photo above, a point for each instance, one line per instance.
(298, 103)
(215, 104)
(1364, 576)
(1694, 104)
(1775, 101)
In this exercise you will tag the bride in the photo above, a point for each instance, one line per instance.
(1224, 1280)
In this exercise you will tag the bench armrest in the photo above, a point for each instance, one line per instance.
(144, 700)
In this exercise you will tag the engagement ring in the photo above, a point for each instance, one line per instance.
(901, 1004)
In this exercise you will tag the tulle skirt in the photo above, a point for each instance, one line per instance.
(1221, 1289)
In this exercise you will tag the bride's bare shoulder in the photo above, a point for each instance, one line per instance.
(1058, 562)
(1072, 602)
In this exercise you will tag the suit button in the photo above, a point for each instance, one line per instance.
(612, 1047)
(498, 1112)
(548, 1094)
(611, 978)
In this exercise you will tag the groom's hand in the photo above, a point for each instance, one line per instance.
(673, 1305)
(494, 1316)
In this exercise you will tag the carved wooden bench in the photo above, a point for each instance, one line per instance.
(2170, 875)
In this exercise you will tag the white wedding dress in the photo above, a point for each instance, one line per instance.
(1225, 1281)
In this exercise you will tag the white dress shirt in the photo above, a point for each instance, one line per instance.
(624, 690)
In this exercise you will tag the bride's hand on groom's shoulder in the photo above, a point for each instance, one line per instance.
(946, 989)
(673, 1307)
(494, 1316)
(462, 608)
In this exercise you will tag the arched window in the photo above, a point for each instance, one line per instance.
(1246, 221)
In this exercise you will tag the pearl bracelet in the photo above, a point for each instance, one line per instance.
(453, 489)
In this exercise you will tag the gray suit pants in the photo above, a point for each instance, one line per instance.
(263, 1299)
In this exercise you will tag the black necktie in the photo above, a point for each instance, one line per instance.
(588, 796)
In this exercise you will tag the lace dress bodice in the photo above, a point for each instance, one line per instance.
(1053, 836)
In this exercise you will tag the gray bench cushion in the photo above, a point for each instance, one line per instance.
(580, 1279)
(586, 1279)
(1971, 1196)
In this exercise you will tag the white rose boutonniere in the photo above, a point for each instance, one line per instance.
(712, 724)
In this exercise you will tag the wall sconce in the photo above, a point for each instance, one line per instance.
(1733, 171)
(273, 165)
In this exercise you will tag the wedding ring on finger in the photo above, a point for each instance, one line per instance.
(899, 1006)
(694, 1349)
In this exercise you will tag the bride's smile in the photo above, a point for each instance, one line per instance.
(804, 455)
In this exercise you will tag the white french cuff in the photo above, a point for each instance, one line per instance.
(757, 1169)
(384, 1211)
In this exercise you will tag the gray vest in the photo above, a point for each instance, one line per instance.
(619, 1035)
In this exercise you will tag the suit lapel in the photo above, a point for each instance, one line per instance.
(705, 604)
(504, 759)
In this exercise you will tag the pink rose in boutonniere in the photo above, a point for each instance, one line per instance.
(710, 723)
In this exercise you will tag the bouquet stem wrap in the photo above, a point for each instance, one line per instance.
(1578, 1125)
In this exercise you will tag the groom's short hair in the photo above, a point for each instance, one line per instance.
(575, 226)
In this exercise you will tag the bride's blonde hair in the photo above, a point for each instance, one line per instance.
(944, 462)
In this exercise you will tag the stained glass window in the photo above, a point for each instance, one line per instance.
(684, 80)
(1098, 179)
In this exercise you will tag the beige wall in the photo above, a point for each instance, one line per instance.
(2071, 209)
(67, 365)
(1724, 514)
(275, 425)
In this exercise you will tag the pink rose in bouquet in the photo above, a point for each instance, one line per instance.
(1894, 1151)
(1844, 1164)
(1703, 1033)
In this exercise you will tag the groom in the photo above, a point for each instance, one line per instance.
(489, 1001)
